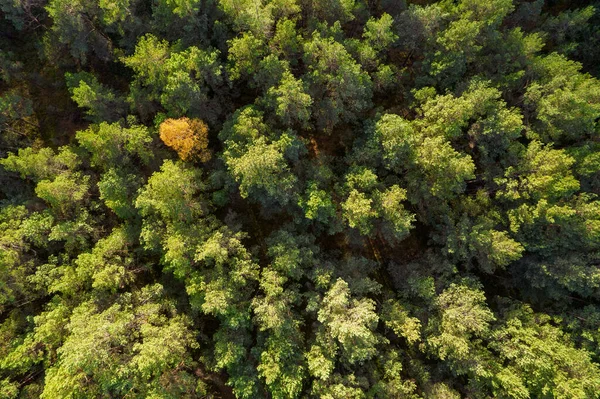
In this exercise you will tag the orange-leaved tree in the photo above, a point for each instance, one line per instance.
(189, 137)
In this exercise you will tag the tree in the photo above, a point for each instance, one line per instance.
(290, 101)
(171, 193)
(338, 86)
(186, 136)
(379, 33)
(370, 204)
(459, 42)
(65, 193)
(397, 139)
(257, 159)
(444, 168)
(350, 322)
(17, 118)
(117, 190)
(318, 204)
(149, 59)
(257, 16)
(102, 341)
(299, 198)
(41, 164)
(543, 173)
(73, 26)
(108, 266)
(102, 103)
(286, 42)
(281, 361)
(245, 54)
(15, 264)
(531, 345)
(263, 168)
(393, 212)
(22, 14)
(112, 145)
(333, 10)
(566, 101)
(187, 20)
(569, 32)
(494, 248)
(180, 81)
(397, 318)
(463, 314)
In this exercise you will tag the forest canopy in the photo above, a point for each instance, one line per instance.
(338, 199)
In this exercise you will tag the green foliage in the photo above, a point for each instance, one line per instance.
(64, 193)
(263, 167)
(463, 317)
(358, 211)
(257, 16)
(339, 87)
(73, 26)
(285, 41)
(393, 211)
(104, 266)
(350, 322)
(178, 80)
(290, 101)
(245, 53)
(368, 200)
(565, 99)
(112, 145)
(281, 362)
(117, 190)
(41, 164)
(378, 33)
(257, 164)
(150, 55)
(135, 332)
(318, 204)
(170, 193)
(102, 103)
(14, 263)
(17, 118)
(531, 345)
(544, 173)
(389, 200)
(495, 248)
(397, 139)
(398, 320)
(333, 10)
(444, 169)
(567, 31)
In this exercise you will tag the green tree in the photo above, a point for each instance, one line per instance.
(75, 27)
(112, 145)
(257, 16)
(289, 100)
(463, 317)
(257, 163)
(338, 86)
(102, 103)
(134, 335)
(565, 100)
(180, 81)
(350, 322)
(531, 345)
(41, 164)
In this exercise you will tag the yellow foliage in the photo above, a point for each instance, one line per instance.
(189, 137)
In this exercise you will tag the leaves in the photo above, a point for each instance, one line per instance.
(349, 199)
(187, 137)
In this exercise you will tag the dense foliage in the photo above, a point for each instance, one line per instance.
(334, 199)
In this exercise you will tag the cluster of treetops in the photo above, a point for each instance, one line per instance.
(336, 199)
